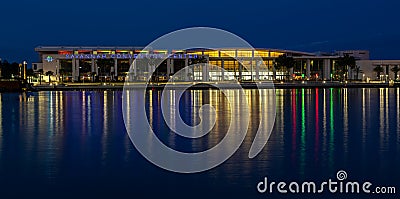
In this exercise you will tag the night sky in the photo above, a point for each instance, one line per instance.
(306, 25)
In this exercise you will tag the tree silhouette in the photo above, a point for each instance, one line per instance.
(62, 72)
(9, 70)
(40, 71)
(30, 73)
(378, 70)
(49, 73)
(395, 70)
(343, 65)
(284, 63)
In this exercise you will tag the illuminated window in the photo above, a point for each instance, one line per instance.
(245, 53)
(211, 53)
(260, 53)
(231, 66)
(276, 54)
(194, 53)
(268, 65)
(215, 65)
(228, 53)
(248, 65)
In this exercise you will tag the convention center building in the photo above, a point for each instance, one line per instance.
(107, 63)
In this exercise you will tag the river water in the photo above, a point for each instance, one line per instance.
(75, 144)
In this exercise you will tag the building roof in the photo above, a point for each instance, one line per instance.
(72, 48)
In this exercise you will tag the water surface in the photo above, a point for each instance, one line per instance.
(74, 144)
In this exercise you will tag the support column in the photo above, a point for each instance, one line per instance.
(73, 69)
(291, 72)
(327, 69)
(134, 69)
(96, 68)
(130, 71)
(308, 69)
(186, 70)
(204, 72)
(240, 71)
(350, 73)
(92, 70)
(222, 70)
(207, 68)
(77, 70)
(170, 67)
(387, 73)
(274, 71)
(251, 70)
(115, 69)
(258, 63)
(92, 66)
(57, 70)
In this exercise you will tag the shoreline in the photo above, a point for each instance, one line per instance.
(209, 85)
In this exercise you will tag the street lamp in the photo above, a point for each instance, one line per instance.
(25, 63)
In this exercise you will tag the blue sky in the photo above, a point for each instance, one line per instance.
(307, 25)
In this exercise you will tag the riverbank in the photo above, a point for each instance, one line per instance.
(209, 85)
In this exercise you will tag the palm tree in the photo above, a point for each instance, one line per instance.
(30, 73)
(344, 63)
(357, 70)
(40, 71)
(378, 70)
(49, 73)
(395, 70)
(62, 73)
(284, 63)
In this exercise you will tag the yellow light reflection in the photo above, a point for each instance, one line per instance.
(345, 119)
(105, 126)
